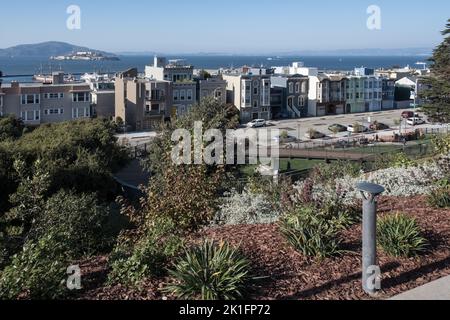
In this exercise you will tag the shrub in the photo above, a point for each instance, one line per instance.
(133, 263)
(78, 219)
(37, 272)
(312, 233)
(245, 208)
(439, 198)
(210, 272)
(400, 236)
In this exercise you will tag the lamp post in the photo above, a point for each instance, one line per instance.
(370, 192)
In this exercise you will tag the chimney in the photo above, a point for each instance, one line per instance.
(58, 77)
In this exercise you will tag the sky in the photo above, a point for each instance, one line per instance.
(232, 26)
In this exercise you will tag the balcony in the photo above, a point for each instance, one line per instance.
(158, 97)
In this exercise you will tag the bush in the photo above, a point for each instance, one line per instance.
(439, 198)
(210, 272)
(400, 236)
(245, 208)
(78, 219)
(133, 263)
(38, 272)
(312, 232)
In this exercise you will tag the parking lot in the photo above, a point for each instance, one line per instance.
(298, 128)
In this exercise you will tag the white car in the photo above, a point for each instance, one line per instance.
(352, 129)
(258, 123)
(415, 121)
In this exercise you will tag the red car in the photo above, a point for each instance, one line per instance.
(407, 114)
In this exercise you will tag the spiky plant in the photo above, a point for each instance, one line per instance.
(400, 236)
(211, 271)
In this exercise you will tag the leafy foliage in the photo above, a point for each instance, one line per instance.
(437, 97)
(37, 272)
(133, 263)
(10, 128)
(400, 236)
(439, 198)
(245, 208)
(312, 232)
(210, 272)
(78, 219)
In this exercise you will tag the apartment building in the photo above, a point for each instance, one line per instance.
(141, 103)
(327, 94)
(37, 103)
(181, 77)
(250, 93)
(214, 87)
(364, 93)
(294, 95)
(102, 96)
(388, 94)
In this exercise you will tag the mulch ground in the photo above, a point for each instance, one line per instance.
(289, 275)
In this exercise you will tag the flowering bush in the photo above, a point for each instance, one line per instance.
(245, 208)
(401, 181)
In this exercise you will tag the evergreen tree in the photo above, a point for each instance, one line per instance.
(437, 94)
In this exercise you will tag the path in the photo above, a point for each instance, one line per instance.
(437, 290)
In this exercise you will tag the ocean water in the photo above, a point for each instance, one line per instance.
(29, 66)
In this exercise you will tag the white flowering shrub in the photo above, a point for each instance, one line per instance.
(398, 182)
(245, 208)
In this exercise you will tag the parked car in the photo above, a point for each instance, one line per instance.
(314, 135)
(415, 121)
(409, 114)
(258, 123)
(378, 126)
(284, 139)
(351, 128)
(337, 128)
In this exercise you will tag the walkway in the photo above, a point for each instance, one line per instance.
(437, 290)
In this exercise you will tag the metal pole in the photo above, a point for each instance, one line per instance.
(370, 192)
(369, 241)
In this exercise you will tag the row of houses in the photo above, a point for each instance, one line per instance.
(169, 89)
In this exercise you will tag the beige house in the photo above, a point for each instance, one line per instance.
(37, 103)
(214, 87)
(250, 93)
(141, 103)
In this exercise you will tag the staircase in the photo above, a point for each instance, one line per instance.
(294, 111)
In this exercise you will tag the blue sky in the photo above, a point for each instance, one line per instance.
(232, 26)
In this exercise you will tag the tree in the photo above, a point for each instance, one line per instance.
(437, 94)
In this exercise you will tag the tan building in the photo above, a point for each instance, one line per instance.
(37, 103)
(250, 93)
(142, 104)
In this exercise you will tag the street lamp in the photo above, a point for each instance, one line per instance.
(370, 193)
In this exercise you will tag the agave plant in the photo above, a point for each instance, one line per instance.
(400, 236)
(212, 271)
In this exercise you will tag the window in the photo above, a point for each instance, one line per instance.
(255, 104)
(53, 95)
(301, 101)
(30, 99)
(291, 87)
(189, 94)
(80, 97)
(304, 84)
(182, 95)
(297, 87)
(217, 94)
(155, 107)
(175, 95)
(255, 91)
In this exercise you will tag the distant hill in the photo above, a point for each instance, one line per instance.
(45, 49)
